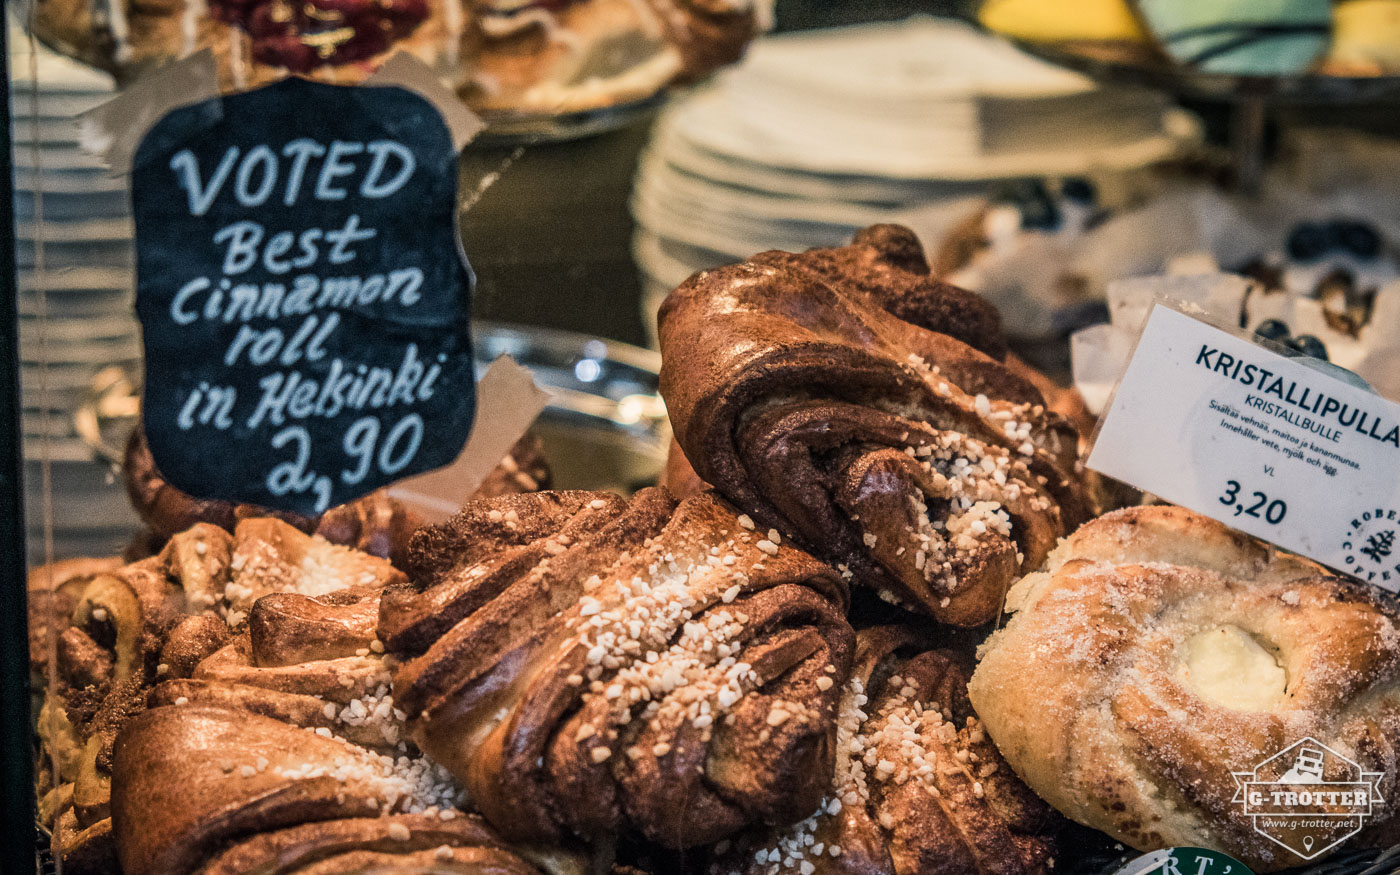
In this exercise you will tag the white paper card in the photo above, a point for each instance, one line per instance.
(1261, 442)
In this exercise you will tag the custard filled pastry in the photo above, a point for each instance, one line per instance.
(870, 412)
(1159, 656)
(918, 789)
(592, 665)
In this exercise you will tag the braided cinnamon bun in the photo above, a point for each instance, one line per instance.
(918, 788)
(1164, 652)
(592, 665)
(124, 630)
(190, 779)
(845, 398)
(284, 751)
(408, 843)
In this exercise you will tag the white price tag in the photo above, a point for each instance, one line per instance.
(1261, 442)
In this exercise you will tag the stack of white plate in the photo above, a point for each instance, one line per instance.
(817, 134)
(76, 279)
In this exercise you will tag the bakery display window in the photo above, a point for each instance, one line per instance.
(680, 436)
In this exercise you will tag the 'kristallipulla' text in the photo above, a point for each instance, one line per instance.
(1293, 395)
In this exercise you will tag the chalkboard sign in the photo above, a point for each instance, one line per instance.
(303, 294)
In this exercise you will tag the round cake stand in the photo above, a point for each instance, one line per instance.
(1250, 98)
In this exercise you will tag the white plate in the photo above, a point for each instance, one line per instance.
(859, 148)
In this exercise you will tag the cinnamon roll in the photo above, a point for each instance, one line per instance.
(1168, 659)
(918, 787)
(115, 634)
(591, 665)
(848, 400)
(283, 750)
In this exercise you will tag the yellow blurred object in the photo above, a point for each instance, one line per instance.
(1063, 20)
(1365, 37)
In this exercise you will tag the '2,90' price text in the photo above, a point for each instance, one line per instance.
(1257, 504)
(361, 444)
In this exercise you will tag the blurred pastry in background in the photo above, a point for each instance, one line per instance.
(542, 56)
(253, 41)
(534, 57)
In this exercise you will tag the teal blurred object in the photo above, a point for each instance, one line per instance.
(1241, 37)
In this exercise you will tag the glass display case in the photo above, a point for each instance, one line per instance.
(684, 437)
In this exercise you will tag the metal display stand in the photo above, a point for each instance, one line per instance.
(16, 748)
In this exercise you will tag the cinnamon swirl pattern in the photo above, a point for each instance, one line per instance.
(283, 751)
(591, 665)
(1164, 652)
(111, 634)
(918, 788)
(848, 400)
(284, 748)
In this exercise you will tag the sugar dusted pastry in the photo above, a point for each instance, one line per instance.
(851, 402)
(190, 779)
(918, 788)
(591, 665)
(1159, 652)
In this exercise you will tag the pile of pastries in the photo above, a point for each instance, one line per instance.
(872, 625)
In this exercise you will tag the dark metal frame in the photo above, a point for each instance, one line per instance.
(16, 733)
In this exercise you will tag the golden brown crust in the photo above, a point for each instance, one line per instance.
(587, 664)
(918, 788)
(284, 749)
(847, 399)
(170, 616)
(187, 779)
(463, 844)
(1133, 733)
